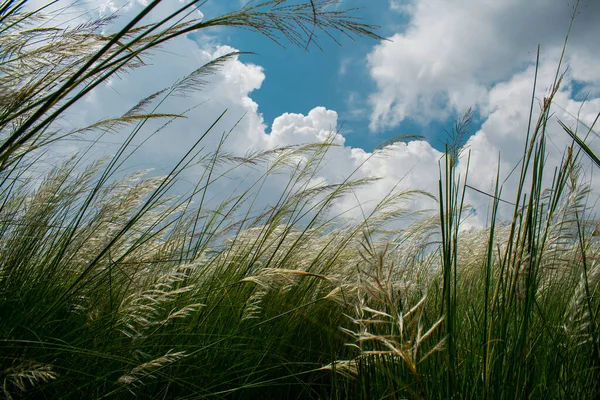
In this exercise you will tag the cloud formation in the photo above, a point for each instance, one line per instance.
(454, 55)
(453, 52)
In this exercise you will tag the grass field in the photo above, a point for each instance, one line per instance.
(114, 287)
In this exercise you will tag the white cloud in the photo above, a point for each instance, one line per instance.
(291, 129)
(453, 52)
(462, 53)
(448, 60)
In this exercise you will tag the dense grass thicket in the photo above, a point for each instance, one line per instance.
(115, 287)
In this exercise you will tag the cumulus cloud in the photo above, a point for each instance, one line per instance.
(453, 52)
(469, 53)
(454, 55)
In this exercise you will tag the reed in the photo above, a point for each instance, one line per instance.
(116, 286)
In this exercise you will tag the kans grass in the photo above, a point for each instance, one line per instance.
(114, 287)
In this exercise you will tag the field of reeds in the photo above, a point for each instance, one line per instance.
(118, 286)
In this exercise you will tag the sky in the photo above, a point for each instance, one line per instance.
(333, 75)
(441, 57)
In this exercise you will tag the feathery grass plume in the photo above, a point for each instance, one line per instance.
(582, 312)
(139, 280)
(388, 326)
(272, 279)
(88, 256)
(102, 277)
(147, 369)
(25, 376)
(518, 338)
(349, 369)
(157, 305)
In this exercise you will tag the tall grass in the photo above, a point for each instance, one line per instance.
(515, 306)
(114, 287)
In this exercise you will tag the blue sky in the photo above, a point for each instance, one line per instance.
(334, 76)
